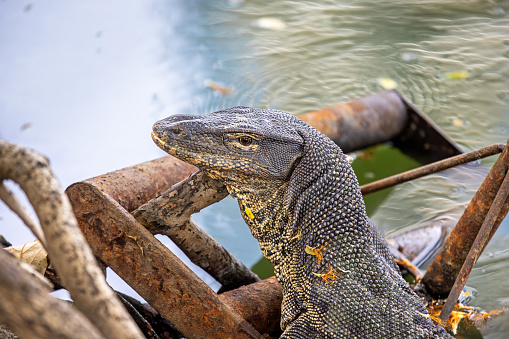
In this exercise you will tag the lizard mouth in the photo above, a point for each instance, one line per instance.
(160, 142)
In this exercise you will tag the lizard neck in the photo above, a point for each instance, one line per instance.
(264, 211)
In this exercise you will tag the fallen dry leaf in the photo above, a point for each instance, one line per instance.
(32, 253)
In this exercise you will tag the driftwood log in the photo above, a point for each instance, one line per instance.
(66, 247)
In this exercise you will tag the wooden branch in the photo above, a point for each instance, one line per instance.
(67, 248)
(28, 309)
(170, 213)
(17, 207)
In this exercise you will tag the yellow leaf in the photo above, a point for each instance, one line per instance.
(387, 83)
(456, 75)
(270, 23)
(32, 253)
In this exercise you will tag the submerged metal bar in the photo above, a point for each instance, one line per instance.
(441, 274)
(432, 168)
(422, 138)
(476, 250)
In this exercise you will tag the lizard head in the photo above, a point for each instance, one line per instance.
(239, 146)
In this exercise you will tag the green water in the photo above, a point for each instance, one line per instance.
(449, 58)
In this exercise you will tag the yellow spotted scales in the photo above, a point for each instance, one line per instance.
(301, 200)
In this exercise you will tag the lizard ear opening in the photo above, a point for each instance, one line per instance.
(294, 166)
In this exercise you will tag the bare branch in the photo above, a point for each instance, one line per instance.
(17, 207)
(170, 213)
(67, 248)
(28, 309)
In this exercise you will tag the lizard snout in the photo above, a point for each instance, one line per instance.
(173, 126)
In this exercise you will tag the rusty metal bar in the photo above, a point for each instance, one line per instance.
(259, 303)
(151, 268)
(476, 250)
(379, 118)
(133, 186)
(365, 122)
(432, 168)
(442, 273)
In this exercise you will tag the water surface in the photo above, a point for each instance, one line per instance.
(82, 82)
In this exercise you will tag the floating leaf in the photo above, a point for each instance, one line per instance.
(387, 83)
(218, 87)
(456, 75)
(32, 253)
(457, 122)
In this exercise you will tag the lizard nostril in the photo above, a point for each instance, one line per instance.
(178, 131)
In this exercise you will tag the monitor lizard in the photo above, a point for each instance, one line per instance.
(301, 200)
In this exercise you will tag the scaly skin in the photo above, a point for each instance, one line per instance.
(301, 200)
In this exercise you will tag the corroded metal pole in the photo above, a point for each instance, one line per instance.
(361, 123)
(259, 303)
(152, 269)
(480, 242)
(444, 269)
(431, 168)
(133, 186)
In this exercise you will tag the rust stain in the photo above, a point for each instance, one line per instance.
(323, 120)
(355, 125)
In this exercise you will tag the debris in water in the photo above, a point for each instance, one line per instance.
(387, 83)
(270, 23)
(409, 56)
(459, 75)
(220, 88)
(461, 312)
(26, 126)
(458, 122)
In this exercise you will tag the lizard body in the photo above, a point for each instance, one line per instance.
(301, 200)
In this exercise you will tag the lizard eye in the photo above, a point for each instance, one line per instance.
(245, 140)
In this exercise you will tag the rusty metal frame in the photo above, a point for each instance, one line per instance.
(422, 138)
(431, 168)
(379, 118)
(102, 207)
(488, 227)
(441, 275)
